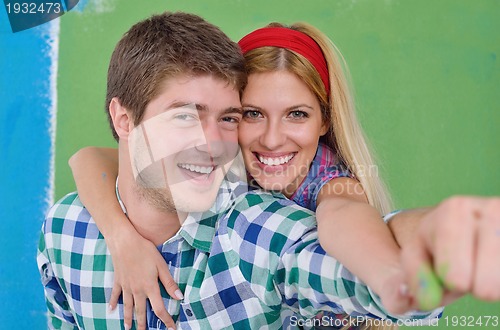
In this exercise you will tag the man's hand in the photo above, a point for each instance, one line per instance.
(455, 251)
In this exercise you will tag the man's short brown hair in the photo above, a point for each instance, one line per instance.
(164, 46)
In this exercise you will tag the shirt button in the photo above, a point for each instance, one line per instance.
(189, 313)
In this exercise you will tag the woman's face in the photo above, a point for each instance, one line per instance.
(280, 130)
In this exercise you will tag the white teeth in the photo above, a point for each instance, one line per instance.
(275, 161)
(197, 169)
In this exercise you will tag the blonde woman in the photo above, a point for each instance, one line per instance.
(300, 136)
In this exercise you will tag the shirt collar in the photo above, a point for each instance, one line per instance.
(199, 227)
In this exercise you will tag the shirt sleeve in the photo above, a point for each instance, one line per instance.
(312, 281)
(307, 193)
(59, 313)
(277, 243)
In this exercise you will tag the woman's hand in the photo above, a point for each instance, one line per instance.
(455, 252)
(394, 291)
(137, 266)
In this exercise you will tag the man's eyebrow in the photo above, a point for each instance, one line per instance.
(230, 110)
(182, 104)
(201, 107)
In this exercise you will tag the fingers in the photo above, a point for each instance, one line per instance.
(486, 283)
(442, 254)
(450, 296)
(156, 299)
(128, 309)
(168, 282)
(395, 295)
(140, 311)
(115, 295)
(424, 286)
(460, 242)
(140, 308)
(454, 249)
(158, 306)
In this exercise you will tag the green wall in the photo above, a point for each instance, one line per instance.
(425, 74)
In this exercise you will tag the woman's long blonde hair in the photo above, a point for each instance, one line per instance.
(345, 135)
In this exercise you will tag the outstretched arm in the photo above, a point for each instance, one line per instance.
(137, 262)
(353, 232)
(404, 224)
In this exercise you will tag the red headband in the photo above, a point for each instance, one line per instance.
(290, 39)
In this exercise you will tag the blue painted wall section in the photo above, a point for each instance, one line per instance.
(25, 187)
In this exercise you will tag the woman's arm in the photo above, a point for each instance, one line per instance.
(353, 232)
(95, 171)
(137, 262)
(404, 224)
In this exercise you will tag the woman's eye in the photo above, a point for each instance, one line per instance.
(297, 114)
(252, 114)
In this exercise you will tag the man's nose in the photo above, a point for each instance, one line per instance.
(211, 140)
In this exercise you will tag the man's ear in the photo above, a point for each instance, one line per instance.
(122, 120)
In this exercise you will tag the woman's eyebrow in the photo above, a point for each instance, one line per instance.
(298, 106)
(248, 105)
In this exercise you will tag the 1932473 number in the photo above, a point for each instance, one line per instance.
(471, 321)
(33, 8)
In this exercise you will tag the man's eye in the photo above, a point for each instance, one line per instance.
(230, 123)
(235, 120)
(185, 120)
(185, 116)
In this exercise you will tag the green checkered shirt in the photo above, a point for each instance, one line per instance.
(250, 262)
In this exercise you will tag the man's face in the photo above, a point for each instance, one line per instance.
(185, 144)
